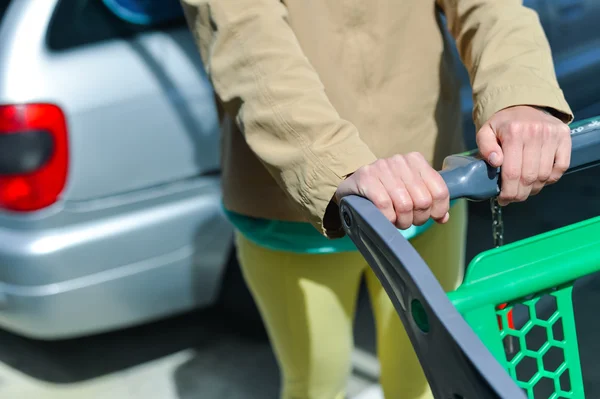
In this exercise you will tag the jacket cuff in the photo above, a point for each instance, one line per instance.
(318, 194)
(503, 97)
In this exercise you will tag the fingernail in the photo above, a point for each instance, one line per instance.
(493, 159)
(444, 219)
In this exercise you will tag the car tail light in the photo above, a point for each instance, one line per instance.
(34, 156)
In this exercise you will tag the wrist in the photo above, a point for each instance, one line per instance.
(549, 111)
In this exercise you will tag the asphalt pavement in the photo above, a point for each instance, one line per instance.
(208, 354)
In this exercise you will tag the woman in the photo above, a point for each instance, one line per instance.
(322, 99)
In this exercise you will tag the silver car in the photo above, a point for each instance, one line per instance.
(110, 210)
(109, 188)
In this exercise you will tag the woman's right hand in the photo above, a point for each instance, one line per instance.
(405, 188)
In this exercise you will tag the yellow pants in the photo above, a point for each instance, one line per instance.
(308, 301)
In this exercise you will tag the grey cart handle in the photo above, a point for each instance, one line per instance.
(455, 361)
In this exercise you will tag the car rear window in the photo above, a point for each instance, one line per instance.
(3, 8)
(145, 12)
(77, 23)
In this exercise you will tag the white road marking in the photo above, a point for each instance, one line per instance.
(365, 363)
(372, 392)
(148, 381)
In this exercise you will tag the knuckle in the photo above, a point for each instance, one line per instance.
(562, 167)
(397, 161)
(386, 166)
(535, 129)
(415, 156)
(379, 164)
(364, 171)
(544, 176)
(382, 201)
(405, 205)
(397, 158)
(511, 173)
(440, 192)
(529, 178)
(422, 202)
(548, 134)
(514, 128)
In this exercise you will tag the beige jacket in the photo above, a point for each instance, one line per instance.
(314, 89)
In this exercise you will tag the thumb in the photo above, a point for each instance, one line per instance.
(487, 142)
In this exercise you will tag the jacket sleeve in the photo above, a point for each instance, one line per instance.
(507, 55)
(257, 68)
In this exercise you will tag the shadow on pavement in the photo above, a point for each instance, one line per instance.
(77, 360)
(240, 370)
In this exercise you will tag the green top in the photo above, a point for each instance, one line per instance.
(299, 237)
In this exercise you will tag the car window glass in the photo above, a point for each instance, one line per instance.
(78, 23)
(3, 8)
(145, 12)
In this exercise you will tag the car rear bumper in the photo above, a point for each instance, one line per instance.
(95, 283)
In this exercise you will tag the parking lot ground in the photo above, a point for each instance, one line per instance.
(192, 356)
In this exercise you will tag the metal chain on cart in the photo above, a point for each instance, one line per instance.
(497, 223)
(498, 236)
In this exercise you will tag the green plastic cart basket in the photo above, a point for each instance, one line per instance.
(509, 330)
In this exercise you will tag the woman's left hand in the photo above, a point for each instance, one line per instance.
(532, 147)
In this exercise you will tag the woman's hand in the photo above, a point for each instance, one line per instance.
(533, 148)
(405, 188)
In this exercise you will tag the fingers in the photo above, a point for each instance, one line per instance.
(544, 158)
(532, 154)
(536, 149)
(512, 147)
(399, 195)
(404, 188)
(408, 170)
(546, 165)
(366, 182)
(382, 200)
(562, 159)
(436, 187)
(488, 145)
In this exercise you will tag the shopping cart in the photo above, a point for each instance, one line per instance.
(467, 342)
